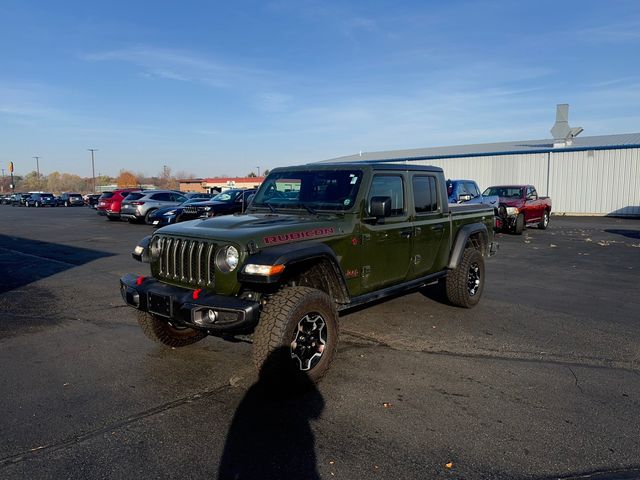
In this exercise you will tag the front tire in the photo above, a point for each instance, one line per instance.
(519, 226)
(465, 284)
(162, 332)
(147, 217)
(298, 332)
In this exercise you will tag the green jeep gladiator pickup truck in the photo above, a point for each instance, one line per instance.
(316, 239)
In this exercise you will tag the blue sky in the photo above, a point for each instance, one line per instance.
(220, 88)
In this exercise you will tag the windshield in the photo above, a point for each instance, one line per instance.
(228, 196)
(133, 196)
(191, 201)
(505, 192)
(316, 189)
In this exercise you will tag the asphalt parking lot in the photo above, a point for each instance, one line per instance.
(541, 380)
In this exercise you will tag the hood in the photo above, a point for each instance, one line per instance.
(263, 229)
(163, 210)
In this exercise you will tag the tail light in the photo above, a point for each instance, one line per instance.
(137, 203)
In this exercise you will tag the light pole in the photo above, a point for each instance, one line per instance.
(258, 167)
(3, 180)
(93, 167)
(38, 169)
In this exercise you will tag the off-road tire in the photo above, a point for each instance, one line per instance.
(160, 331)
(457, 282)
(544, 221)
(147, 216)
(519, 226)
(274, 335)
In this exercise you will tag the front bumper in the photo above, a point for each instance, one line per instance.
(231, 315)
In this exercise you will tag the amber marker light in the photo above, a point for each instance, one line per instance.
(264, 270)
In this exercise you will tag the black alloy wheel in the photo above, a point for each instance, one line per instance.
(473, 279)
(309, 341)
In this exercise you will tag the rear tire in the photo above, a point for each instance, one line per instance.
(465, 284)
(162, 332)
(112, 219)
(297, 336)
(544, 221)
(519, 226)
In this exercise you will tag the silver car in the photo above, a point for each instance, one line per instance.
(138, 206)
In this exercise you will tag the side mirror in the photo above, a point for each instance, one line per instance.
(380, 207)
(464, 197)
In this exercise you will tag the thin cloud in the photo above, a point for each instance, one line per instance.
(623, 32)
(182, 66)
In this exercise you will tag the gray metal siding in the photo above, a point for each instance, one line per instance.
(597, 182)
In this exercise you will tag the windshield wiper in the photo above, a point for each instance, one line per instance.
(268, 204)
(308, 208)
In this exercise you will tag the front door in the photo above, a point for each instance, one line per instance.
(386, 243)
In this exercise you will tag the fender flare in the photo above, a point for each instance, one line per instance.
(460, 242)
(291, 255)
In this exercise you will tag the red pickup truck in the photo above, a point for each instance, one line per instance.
(519, 206)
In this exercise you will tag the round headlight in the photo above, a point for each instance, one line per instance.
(227, 259)
(154, 248)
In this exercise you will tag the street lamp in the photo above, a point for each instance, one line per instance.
(93, 167)
(258, 167)
(38, 170)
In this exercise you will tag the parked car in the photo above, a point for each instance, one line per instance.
(70, 200)
(230, 201)
(352, 234)
(204, 196)
(5, 199)
(467, 191)
(91, 200)
(19, 199)
(520, 206)
(41, 200)
(110, 203)
(139, 206)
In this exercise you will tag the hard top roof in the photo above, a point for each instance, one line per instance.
(360, 165)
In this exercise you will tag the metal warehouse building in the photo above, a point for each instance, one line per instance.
(597, 175)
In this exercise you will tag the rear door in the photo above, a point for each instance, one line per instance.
(387, 242)
(430, 224)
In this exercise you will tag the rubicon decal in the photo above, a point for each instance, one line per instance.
(290, 237)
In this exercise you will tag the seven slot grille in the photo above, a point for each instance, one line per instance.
(185, 261)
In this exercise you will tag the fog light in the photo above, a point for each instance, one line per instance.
(211, 316)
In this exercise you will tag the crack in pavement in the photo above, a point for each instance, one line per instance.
(576, 379)
(551, 359)
(76, 439)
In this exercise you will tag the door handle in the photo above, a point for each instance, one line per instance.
(406, 233)
(437, 227)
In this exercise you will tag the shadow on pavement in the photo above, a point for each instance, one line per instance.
(635, 234)
(270, 436)
(23, 261)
